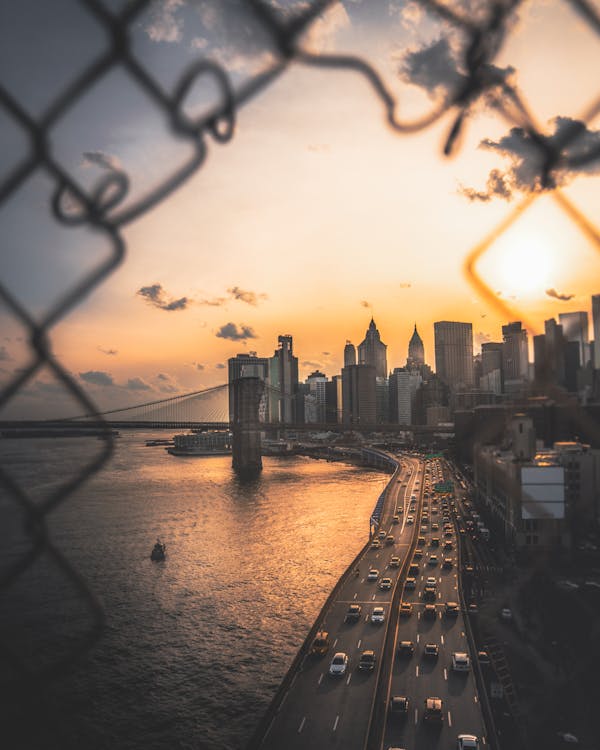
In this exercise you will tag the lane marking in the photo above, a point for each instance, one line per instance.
(417, 671)
(301, 727)
(483, 740)
(349, 678)
(475, 699)
(335, 642)
(419, 615)
(445, 674)
(359, 642)
(320, 680)
(462, 633)
(335, 723)
(418, 636)
(442, 639)
(355, 595)
(373, 598)
(449, 719)
(416, 714)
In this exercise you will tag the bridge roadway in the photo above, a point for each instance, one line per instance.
(324, 711)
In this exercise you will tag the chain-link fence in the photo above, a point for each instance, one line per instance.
(104, 210)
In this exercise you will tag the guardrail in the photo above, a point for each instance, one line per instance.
(262, 730)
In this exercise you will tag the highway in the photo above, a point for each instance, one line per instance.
(418, 677)
(321, 710)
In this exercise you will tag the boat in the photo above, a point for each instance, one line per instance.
(158, 553)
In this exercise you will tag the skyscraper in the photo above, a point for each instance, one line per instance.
(454, 353)
(596, 321)
(284, 379)
(416, 351)
(349, 354)
(515, 356)
(491, 367)
(404, 384)
(248, 365)
(575, 328)
(372, 351)
(359, 407)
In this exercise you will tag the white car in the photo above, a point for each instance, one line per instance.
(409, 520)
(373, 574)
(339, 664)
(430, 581)
(378, 615)
(460, 662)
(467, 742)
(506, 614)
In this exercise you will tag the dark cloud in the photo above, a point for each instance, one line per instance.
(309, 363)
(162, 376)
(200, 366)
(233, 333)
(251, 298)
(578, 148)
(364, 303)
(558, 295)
(4, 354)
(109, 352)
(97, 377)
(156, 296)
(100, 159)
(219, 366)
(326, 354)
(167, 383)
(214, 302)
(137, 384)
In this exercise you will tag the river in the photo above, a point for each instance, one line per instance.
(194, 648)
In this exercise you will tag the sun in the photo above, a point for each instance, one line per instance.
(524, 266)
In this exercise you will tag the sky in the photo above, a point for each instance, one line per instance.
(314, 216)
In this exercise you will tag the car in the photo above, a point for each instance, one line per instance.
(484, 658)
(460, 662)
(382, 534)
(429, 612)
(448, 545)
(409, 520)
(433, 712)
(378, 615)
(429, 594)
(451, 609)
(467, 742)
(320, 645)
(435, 526)
(418, 554)
(389, 539)
(433, 560)
(353, 613)
(406, 648)
(373, 574)
(447, 564)
(339, 664)
(431, 651)
(420, 541)
(405, 609)
(430, 581)
(506, 614)
(385, 584)
(396, 519)
(410, 584)
(394, 562)
(414, 569)
(399, 706)
(375, 544)
(473, 609)
(367, 661)
(400, 510)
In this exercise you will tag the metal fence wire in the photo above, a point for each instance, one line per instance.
(484, 25)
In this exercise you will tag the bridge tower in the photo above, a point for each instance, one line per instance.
(246, 394)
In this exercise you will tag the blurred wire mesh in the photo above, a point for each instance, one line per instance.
(107, 207)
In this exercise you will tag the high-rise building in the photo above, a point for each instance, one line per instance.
(596, 322)
(515, 359)
(359, 406)
(248, 365)
(349, 354)
(372, 351)
(284, 381)
(454, 353)
(416, 351)
(403, 392)
(576, 328)
(317, 386)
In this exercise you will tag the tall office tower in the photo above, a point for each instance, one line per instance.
(575, 328)
(372, 351)
(248, 365)
(555, 346)
(596, 321)
(382, 399)
(416, 351)
(349, 354)
(454, 353)
(284, 379)
(515, 359)
(491, 367)
(317, 386)
(540, 363)
(359, 406)
(403, 392)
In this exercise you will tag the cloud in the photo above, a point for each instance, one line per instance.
(97, 377)
(167, 383)
(100, 159)
(155, 295)
(200, 366)
(250, 298)
(137, 384)
(482, 338)
(214, 302)
(308, 363)
(233, 333)
(4, 354)
(571, 149)
(109, 352)
(405, 285)
(326, 354)
(558, 295)
(219, 366)
(364, 303)
(162, 24)
(323, 31)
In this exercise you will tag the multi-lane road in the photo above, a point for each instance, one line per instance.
(322, 710)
